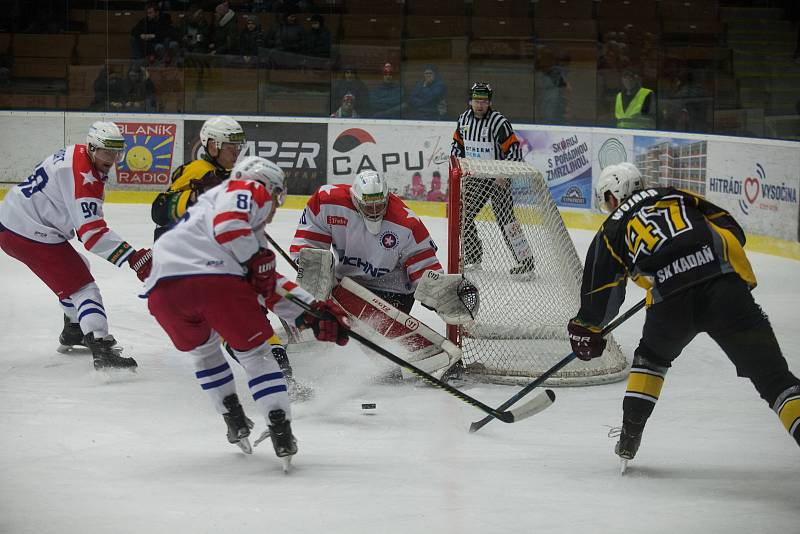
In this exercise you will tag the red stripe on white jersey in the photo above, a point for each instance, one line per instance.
(88, 227)
(257, 190)
(92, 241)
(313, 236)
(230, 216)
(226, 237)
(424, 255)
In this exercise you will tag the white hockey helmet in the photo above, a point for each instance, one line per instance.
(222, 129)
(264, 171)
(107, 137)
(620, 180)
(370, 194)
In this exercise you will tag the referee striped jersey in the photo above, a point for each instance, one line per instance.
(491, 137)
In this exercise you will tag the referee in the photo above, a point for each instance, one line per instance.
(484, 133)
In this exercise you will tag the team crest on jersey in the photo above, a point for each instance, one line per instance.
(389, 240)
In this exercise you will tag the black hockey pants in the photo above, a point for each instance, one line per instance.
(724, 308)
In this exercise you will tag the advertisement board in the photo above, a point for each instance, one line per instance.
(565, 160)
(758, 184)
(299, 148)
(149, 148)
(413, 159)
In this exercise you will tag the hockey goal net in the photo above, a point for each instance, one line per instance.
(520, 329)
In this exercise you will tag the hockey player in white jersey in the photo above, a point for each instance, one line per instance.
(378, 241)
(210, 274)
(61, 198)
(381, 245)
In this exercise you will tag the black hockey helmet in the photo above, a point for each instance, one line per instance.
(480, 91)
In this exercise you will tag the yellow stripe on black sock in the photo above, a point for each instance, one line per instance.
(646, 385)
(789, 413)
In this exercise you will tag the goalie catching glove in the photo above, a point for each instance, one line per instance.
(328, 321)
(587, 341)
(454, 298)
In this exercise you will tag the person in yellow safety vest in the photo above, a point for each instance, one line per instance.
(635, 105)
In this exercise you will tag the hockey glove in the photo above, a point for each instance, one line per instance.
(261, 272)
(329, 322)
(586, 341)
(141, 261)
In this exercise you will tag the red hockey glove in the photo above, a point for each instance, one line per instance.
(333, 323)
(261, 272)
(586, 341)
(141, 261)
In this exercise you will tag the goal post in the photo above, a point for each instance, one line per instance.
(520, 330)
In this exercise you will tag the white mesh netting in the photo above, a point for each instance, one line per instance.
(520, 329)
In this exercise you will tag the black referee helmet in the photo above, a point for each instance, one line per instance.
(480, 91)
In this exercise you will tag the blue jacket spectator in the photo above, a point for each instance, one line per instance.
(387, 97)
(427, 100)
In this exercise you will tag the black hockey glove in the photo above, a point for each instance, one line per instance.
(587, 341)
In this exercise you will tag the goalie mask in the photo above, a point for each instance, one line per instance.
(620, 181)
(370, 194)
(264, 171)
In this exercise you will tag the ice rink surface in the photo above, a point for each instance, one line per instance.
(148, 454)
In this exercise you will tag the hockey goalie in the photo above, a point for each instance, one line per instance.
(383, 258)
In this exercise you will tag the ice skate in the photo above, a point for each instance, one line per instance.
(107, 354)
(630, 436)
(525, 270)
(280, 431)
(71, 336)
(239, 424)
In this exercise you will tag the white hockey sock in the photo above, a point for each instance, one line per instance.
(265, 379)
(88, 310)
(213, 372)
(69, 309)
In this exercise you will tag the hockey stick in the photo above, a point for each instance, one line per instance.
(474, 427)
(291, 331)
(533, 406)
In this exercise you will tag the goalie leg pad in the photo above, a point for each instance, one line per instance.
(421, 345)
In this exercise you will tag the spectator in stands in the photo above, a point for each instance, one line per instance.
(6, 63)
(109, 89)
(138, 91)
(288, 35)
(428, 99)
(250, 40)
(386, 98)
(635, 106)
(318, 38)
(195, 30)
(225, 35)
(552, 90)
(347, 108)
(153, 37)
(436, 194)
(352, 84)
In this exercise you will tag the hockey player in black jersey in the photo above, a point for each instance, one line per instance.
(688, 254)
(482, 132)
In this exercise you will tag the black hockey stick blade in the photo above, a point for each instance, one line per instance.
(526, 410)
(477, 425)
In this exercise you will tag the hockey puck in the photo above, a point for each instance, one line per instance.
(369, 408)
